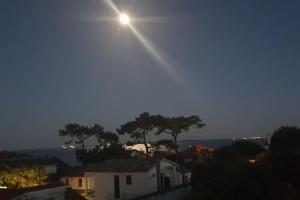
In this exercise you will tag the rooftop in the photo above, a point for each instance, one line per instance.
(123, 165)
(74, 172)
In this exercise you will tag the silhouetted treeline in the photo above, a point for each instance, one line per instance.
(246, 171)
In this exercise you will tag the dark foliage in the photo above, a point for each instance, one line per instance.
(285, 155)
(78, 132)
(100, 154)
(229, 176)
(174, 126)
(240, 151)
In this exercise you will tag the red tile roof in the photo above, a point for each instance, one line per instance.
(192, 152)
(189, 153)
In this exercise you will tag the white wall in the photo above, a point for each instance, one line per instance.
(104, 182)
(169, 170)
(188, 176)
(152, 180)
(142, 182)
(90, 179)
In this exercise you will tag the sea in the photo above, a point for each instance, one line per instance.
(68, 155)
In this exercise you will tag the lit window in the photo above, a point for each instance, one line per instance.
(252, 162)
(128, 180)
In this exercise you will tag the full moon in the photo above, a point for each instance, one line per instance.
(124, 19)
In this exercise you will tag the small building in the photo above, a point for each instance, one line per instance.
(127, 178)
(83, 185)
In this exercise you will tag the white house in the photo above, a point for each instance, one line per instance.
(128, 178)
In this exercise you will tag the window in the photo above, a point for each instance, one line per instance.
(67, 181)
(128, 180)
(80, 182)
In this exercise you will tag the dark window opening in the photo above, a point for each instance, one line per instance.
(167, 182)
(128, 180)
(80, 182)
(117, 186)
(161, 182)
(67, 181)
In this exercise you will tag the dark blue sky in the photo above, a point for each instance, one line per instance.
(62, 62)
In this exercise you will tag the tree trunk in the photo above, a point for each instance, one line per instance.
(82, 145)
(146, 145)
(175, 143)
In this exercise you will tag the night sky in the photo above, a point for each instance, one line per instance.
(67, 61)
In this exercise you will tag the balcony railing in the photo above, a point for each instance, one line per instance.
(91, 192)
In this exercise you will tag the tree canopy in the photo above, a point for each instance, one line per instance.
(101, 153)
(238, 151)
(140, 128)
(22, 178)
(177, 125)
(77, 132)
(107, 142)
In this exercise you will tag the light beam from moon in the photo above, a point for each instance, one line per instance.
(113, 6)
(147, 44)
(154, 52)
